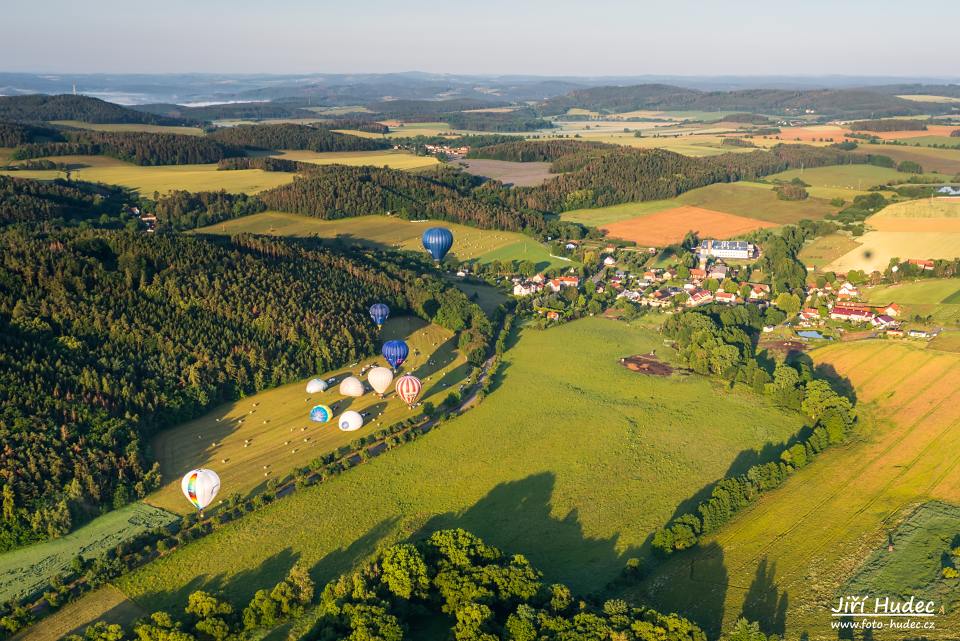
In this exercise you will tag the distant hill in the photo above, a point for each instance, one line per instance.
(43, 108)
(229, 111)
(851, 103)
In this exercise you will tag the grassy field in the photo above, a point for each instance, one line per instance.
(945, 161)
(104, 604)
(823, 250)
(389, 158)
(274, 420)
(164, 178)
(748, 199)
(469, 243)
(571, 460)
(783, 561)
(938, 297)
(920, 543)
(150, 129)
(25, 570)
(928, 98)
(876, 248)
(840, 181)
(486, 296)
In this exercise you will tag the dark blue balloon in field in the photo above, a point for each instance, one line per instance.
(379, 313)
(438, 241)
(395, 352)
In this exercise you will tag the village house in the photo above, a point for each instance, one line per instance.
(809, 314)
(726, 249)
(758, 291)
(924, 264)
(700, 297)
(698, 274)
(847, 291)
(556, 284)
(725, 297)
(895, 333)
(918, 333)
(883, 321)
(718, 271)
(527, 288)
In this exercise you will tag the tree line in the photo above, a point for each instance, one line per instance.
(15, 133)
(480, 593)
(290, 136)
(33, 201)
(108, 337)
(889, 124)
(134, 147)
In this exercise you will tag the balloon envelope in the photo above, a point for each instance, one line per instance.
(380, 379)
(321, 414)
(350, 421)
(351, 386)
(200, 487)
(409, 388)
(437, 241)
(395, 352)
(379, 313)
(316, 385)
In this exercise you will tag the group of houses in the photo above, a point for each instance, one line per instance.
(539, 283)
(447, 150)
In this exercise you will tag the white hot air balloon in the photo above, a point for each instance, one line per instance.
(351, 386)
(350, 421)
(200, 487)
(316, 385)
(380, 379)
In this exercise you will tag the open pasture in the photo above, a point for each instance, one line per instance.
(944, 161)
(470, 243)
(929, 98)
(131, 127)
(28, 569)
(277, 426)
(669, 226)
(876, 248)
(843, 181)
(163, 178)
(823, 250)
(783, 560)
(388, 158)
(936, 297)
(571, 460)
(106, 604)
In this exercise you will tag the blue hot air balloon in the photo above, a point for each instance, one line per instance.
(395, 352)
(438, 241)
(321, 414)
(379, 313)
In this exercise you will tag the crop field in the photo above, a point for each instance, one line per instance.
(944, 161)
(104, 604)
(389, 158)
(876, 248)
(616, 213)
(695, 146)
(521, 174)
(669, 226)
(276, 422)
(406, 130)
(783, 560)
(164, 178)
(932, 131)
(470, 243)
(572, 461)
(823, 250)
(930, 141)
(126, 127)
(947, 341)
(924, 215)
(28, 569)
(843, 181)
(939, 298)
(929, 98)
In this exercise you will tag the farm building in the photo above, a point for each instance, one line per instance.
(727, 249)
(947, 190)
(924, 264)
(883, 321)
(852, 314)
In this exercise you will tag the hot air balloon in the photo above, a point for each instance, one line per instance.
(409, 388)
(379, 313)
(350, 421)
(316, 385)
(321, 414)
(380, 379)
(200, 487)
(395, 352)
(437, 241)
(351, 386)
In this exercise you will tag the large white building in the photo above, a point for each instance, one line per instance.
(726, 249)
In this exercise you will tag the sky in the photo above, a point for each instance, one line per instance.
(558, 37)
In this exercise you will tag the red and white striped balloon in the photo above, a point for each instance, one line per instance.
(408, 389)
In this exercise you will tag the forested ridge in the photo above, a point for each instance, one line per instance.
(109, 336)
(134, 147)
(545, 150)
(290, 136)
(889, 124)
(33, 201)
(41, 108)
(16, 133)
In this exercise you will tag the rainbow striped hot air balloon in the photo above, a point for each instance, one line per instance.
(395, 352)
(200, 487)
(321, 414)
(379, 313)
(408, 389)
(437, 241)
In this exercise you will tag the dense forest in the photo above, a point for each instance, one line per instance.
(263, 163)
(339, 191)
(850, 103)
(134, 147)
(109, 336)
(522, 119)
(428, 109)
(180, 209)
(450, 580)
(13, 134)
(42, 108)
(889, 124)
(33, 201)
(546, 150)
(289, 136)
(228, 111)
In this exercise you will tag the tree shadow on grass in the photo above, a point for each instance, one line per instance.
(764, 603)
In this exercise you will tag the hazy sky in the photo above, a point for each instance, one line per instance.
(558, 37)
